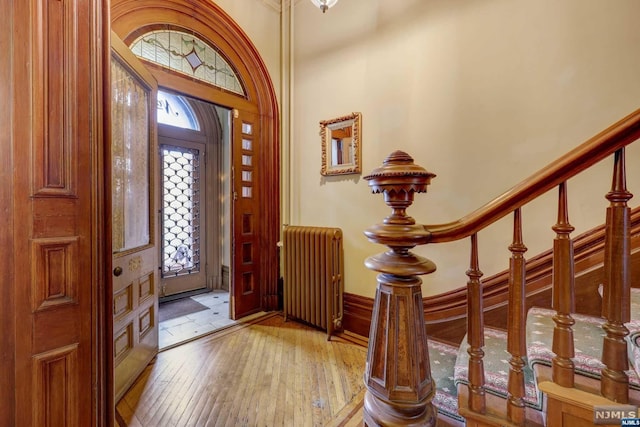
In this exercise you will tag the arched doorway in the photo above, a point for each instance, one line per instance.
(194, 168)
(255, 168)
(258, 107)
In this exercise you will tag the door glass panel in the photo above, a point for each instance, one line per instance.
(130, 160)
(180, 210)
(174, 110)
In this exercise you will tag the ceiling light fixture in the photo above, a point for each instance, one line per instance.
(324, 4)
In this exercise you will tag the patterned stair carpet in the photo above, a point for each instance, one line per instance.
(450, 365)
(496, 367)
(588, 334)
(443, 359)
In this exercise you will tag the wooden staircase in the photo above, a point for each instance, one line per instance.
(401, 387)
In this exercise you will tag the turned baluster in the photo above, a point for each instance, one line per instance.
(516, 341)
(563, 295)
(475, 332)
(615, 304)
(397, 373)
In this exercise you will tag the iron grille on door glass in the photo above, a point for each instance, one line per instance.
(180, 211)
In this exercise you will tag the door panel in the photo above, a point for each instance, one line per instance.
(48, 199)
(183, 255)
(133, 223)
(246, 296)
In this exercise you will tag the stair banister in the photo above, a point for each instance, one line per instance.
(398, 180)
(595, 149)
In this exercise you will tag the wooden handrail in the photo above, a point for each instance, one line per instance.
(604, 144)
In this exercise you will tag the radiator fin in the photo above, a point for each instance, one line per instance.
(313, 276)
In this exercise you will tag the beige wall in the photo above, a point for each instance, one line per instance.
(481, 92)
(260, 20)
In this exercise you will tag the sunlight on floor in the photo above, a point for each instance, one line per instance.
(186, 328)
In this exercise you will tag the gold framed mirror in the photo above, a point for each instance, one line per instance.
(341, 145)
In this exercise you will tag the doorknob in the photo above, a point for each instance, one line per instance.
(117, 271)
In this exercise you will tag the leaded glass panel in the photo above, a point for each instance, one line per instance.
(188, 55)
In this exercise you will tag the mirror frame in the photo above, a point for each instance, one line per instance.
(326, 126)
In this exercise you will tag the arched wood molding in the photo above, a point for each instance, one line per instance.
(445, 314)
(212, 24)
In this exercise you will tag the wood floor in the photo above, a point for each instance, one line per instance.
(264, 373)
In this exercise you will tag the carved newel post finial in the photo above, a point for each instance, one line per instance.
(398, 373)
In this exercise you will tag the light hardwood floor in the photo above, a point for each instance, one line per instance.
(265, 372)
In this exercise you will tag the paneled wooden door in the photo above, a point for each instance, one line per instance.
(246, 296)
(50, 137)
(134, 235)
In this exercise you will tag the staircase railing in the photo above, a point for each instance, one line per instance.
(397, 347)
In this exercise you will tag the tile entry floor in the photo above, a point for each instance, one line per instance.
(186, 328)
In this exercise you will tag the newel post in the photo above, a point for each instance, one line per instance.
(398, 374)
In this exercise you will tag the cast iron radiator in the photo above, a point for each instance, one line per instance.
(313, 276)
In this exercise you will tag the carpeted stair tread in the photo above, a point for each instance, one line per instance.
(588, 334)
(443, 358)
(496, 368)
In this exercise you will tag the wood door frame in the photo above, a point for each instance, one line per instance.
(131, 17)
(83, 38)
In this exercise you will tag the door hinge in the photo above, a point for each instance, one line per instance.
(236, 113)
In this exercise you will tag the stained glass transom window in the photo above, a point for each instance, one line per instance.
(188, 55)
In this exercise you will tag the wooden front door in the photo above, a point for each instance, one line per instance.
(246, 252)
(133, 217)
